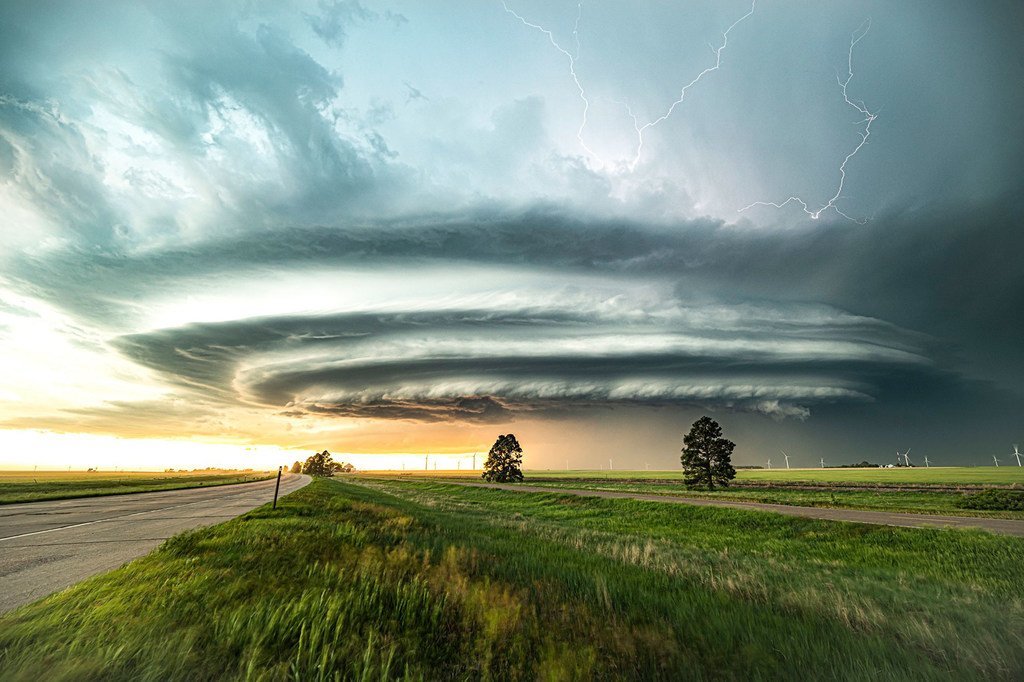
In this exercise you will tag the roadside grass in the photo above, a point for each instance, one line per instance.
(31, 486)
(397, 579)
(881, 499)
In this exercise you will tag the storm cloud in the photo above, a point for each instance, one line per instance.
(236, 221)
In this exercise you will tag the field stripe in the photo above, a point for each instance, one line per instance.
(1012, 527)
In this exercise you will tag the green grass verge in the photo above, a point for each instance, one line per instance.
(24, 486)
(432, 581)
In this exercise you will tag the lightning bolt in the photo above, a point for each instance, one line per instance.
(865, 133)
(682, 92)
(637, 127)
(572, 59)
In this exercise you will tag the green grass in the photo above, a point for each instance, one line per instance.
(30, 486)
(374, 580)
(950, 476)
(881, 499)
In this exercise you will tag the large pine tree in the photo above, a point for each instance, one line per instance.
(707, 457)
(504, 461)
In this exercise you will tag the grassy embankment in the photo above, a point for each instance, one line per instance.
(880, 490)
(32, 486)
(432, 581)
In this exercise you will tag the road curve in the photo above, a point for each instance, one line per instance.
(48, 546)
(1013, 527)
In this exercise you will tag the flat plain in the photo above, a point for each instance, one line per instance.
(944, 476)
(374, 579)
(33, 486)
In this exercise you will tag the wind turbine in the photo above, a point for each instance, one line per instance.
(609, 464)
(822, 462)
(1016, 453)
(927, 465)
(995, 460)
(769, 462)
(906, 458)
(786, 456)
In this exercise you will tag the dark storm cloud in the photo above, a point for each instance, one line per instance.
(919, 270)
(480, 365)
(153, 155)
(232, 114)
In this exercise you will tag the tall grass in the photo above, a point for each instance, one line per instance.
(429, 581)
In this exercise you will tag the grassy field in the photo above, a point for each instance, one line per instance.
(32, 486)
(929, 502)
(881, 486)
(421, 580)
(951, 476)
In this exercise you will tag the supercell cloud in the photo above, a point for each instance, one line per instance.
(377, 227)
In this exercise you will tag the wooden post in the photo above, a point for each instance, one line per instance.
(277, 486)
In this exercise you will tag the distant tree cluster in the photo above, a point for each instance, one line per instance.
(322, 465)
(504, 461)
(296, 468)
(707, 456)
(859, 465)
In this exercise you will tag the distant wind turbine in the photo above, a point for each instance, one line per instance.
(1016, 453)
(822, 462)
(786, 456)
(995, 460)
(906, 458)
(926, 463)
(609, 464)
(769, 462)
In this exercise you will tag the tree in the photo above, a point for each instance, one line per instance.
(504, 460)
(707, 457)
(296, 468)
(321, 465)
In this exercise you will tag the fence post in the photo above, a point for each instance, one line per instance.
(277, 486)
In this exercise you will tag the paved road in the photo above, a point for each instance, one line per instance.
(1002, 526)
(47, 546)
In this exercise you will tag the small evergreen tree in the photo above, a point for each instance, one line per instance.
(707, 457)
(321, 465)
(503, 461)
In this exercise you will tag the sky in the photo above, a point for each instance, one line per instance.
(235, 233)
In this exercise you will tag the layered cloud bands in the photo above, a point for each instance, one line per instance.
(487, 364)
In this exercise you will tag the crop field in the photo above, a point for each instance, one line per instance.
(879, 499)
(32, 486)
(933, 491)
(941, 476)
(424, 580)
(946, 476)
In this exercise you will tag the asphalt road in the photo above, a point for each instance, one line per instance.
(1002, 526)
(48, 546)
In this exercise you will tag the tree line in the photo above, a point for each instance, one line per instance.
(706, 459)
